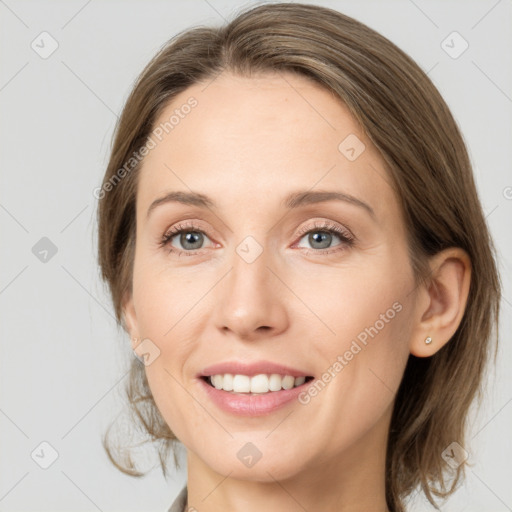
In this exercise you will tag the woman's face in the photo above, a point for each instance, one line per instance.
(270, 269)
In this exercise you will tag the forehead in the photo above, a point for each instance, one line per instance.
(260, 137)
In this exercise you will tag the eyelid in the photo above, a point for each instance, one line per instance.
(347, 239)
(175, 230)
(326, 225)
(191, 225)
(346, 236)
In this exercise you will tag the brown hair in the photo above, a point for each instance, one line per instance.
(405, 117)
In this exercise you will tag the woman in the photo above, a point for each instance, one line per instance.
(292, 237)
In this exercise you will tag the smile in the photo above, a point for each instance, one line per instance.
(256, 384)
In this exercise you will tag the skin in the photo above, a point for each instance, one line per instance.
(247, 144)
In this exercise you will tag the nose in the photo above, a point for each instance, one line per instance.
(251, 300)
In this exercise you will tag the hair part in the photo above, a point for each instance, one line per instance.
(403, 114)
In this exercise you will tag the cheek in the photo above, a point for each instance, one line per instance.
(364, 360)
(363, 303)
(168, 314)
(164, 298)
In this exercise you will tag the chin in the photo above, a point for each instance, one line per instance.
(267, 469)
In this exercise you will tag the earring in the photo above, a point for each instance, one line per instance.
(428, 340)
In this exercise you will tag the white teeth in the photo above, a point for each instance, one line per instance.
(217, 381)
(241, 383)
(261, 383)
(299, 381)
(274, 383)
(288, 382)
(227, 382)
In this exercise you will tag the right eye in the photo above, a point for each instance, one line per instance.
(189, 237)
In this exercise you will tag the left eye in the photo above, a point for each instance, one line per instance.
(321, 239)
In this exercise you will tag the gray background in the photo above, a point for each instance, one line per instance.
(63, 360)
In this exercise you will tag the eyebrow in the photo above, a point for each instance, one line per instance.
(292, 201)
(188, 198)
(301, 198)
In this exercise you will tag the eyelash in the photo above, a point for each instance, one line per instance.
(345, 236)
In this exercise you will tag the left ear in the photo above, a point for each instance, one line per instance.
(442, 301)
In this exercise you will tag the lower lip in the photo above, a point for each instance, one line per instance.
(244, 404)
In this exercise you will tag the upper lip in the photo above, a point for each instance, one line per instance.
(251, 369)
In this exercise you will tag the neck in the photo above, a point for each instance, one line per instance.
(351, 481)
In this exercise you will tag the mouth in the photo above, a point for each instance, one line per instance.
(259, 384)
(255, 388)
